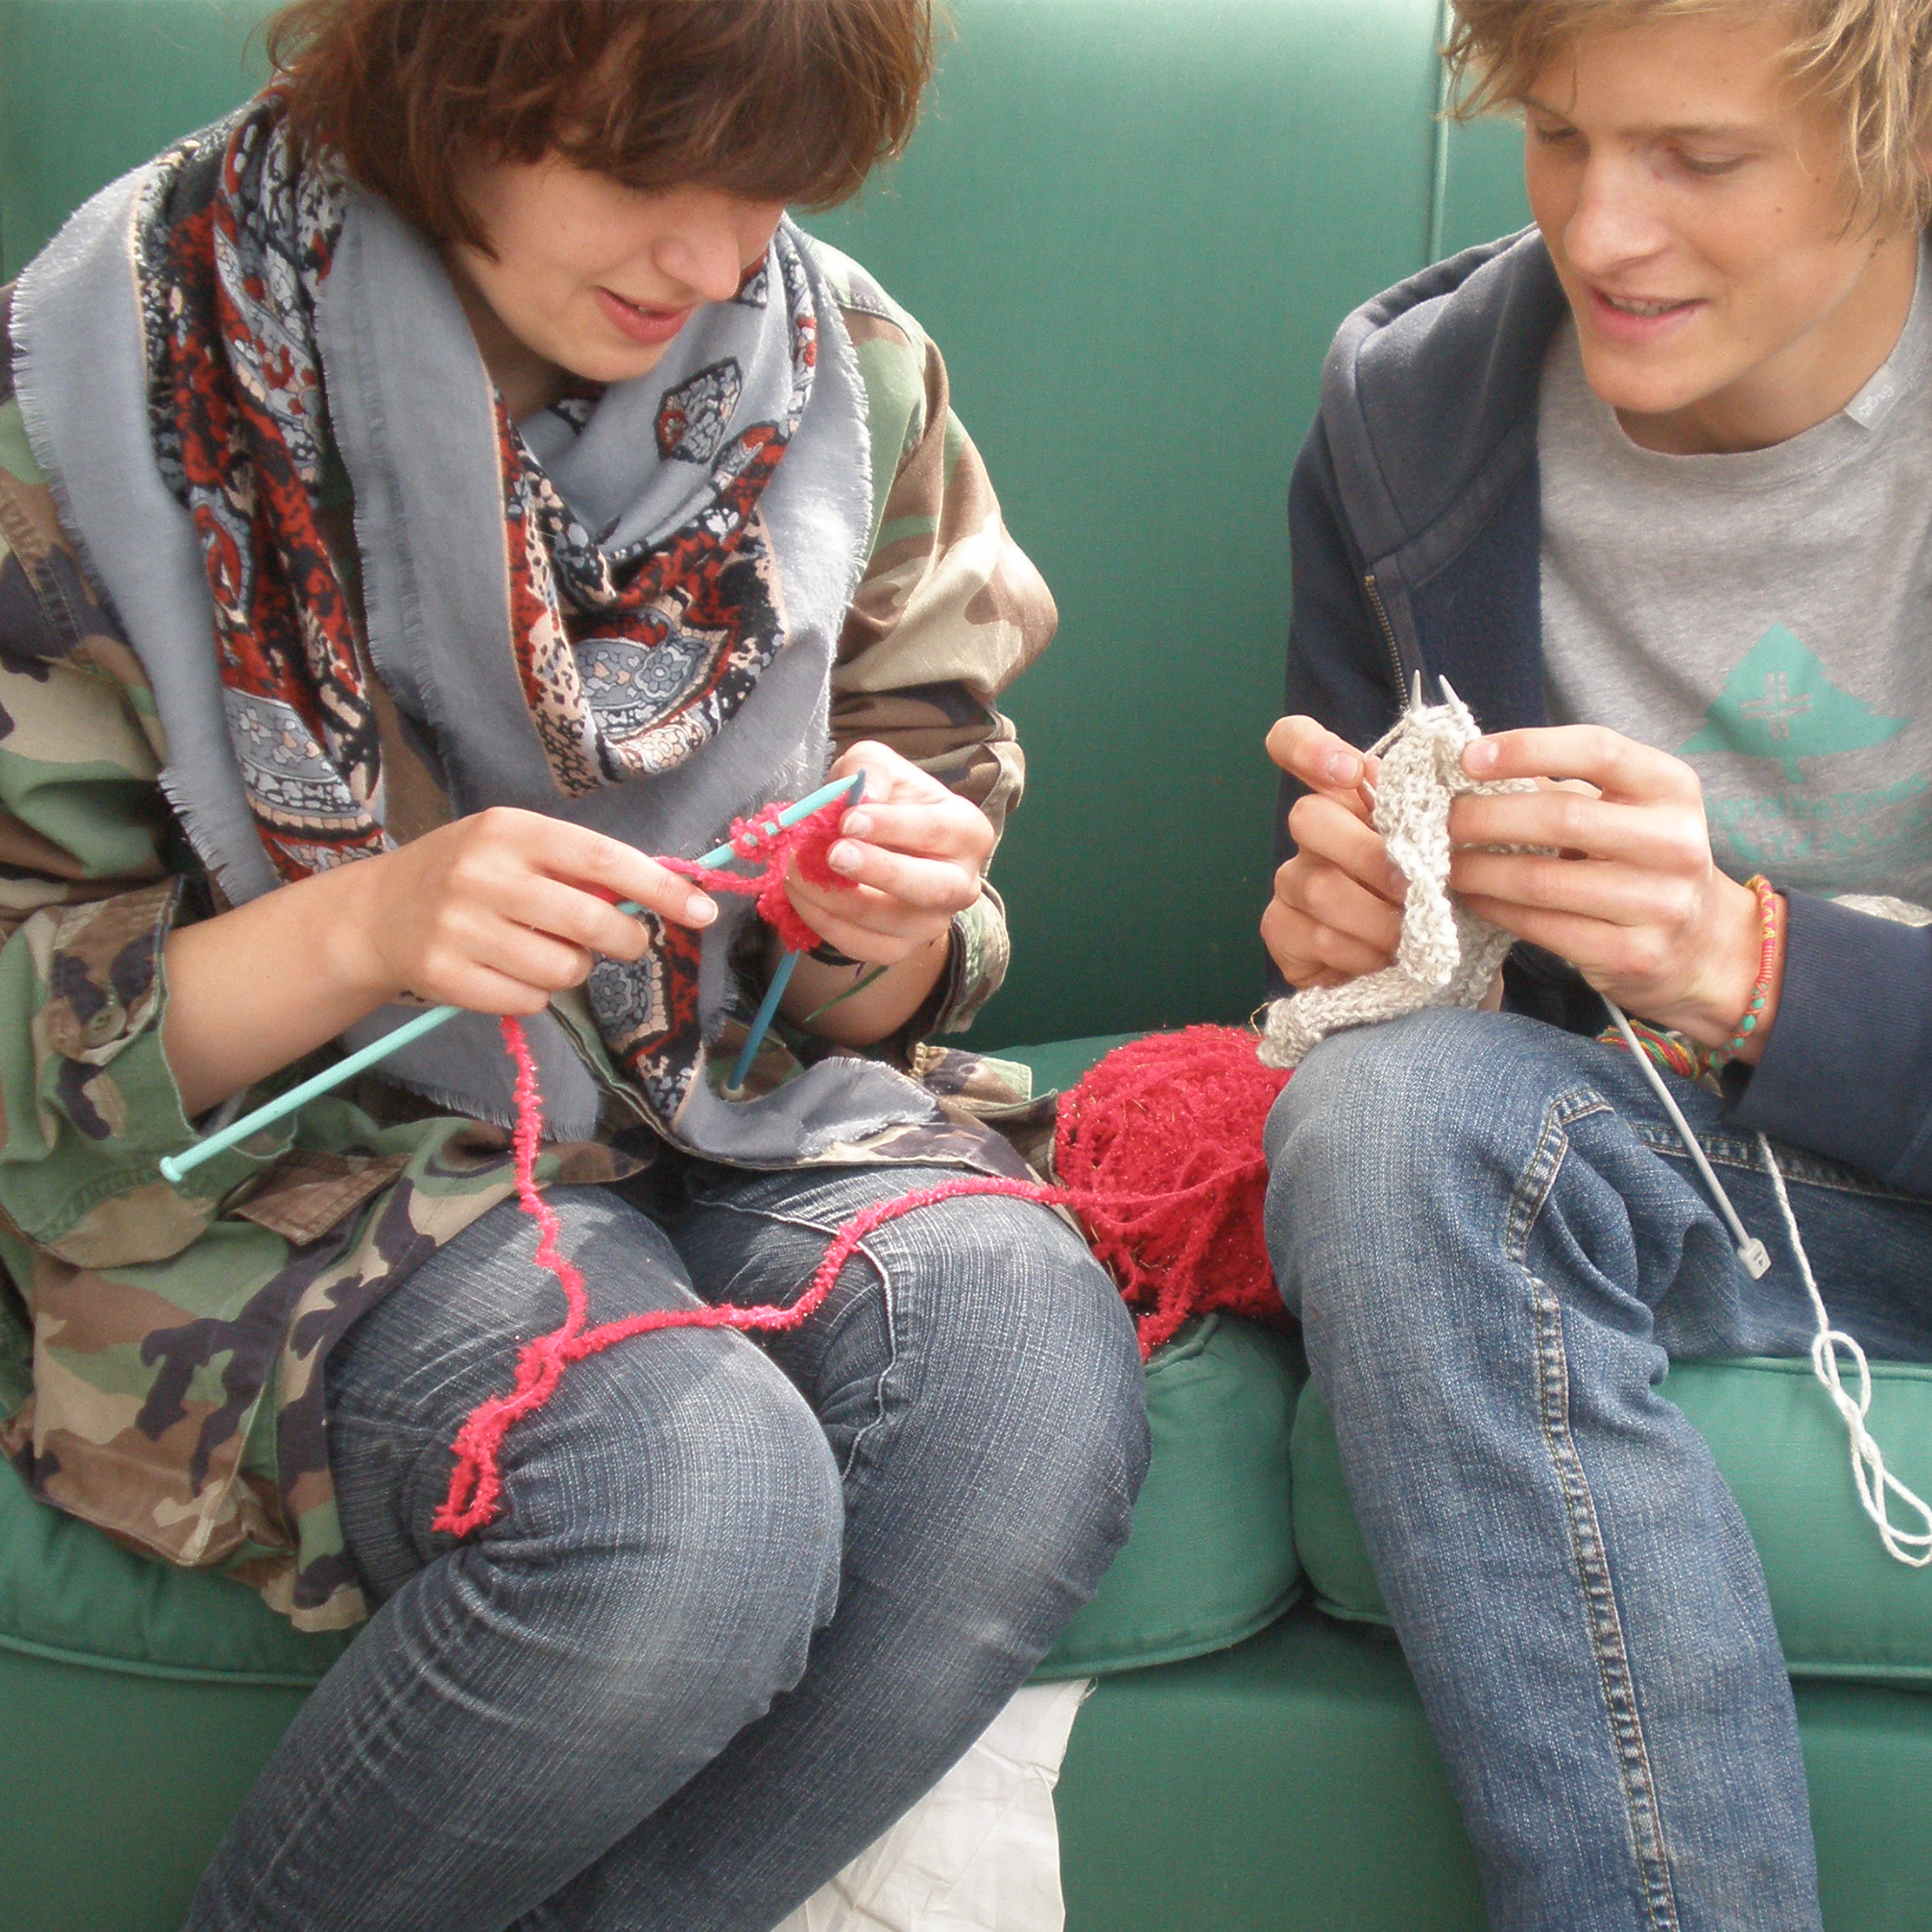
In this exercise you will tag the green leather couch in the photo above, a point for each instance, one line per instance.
(1133, 225)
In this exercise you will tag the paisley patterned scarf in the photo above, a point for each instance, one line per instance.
(629, 659)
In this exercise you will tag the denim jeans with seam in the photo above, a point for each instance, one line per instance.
(743, 1604)
(1496, 1244)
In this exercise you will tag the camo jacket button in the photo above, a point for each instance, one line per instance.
(104, 1023)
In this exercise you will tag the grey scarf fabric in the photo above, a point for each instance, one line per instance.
(411, 410)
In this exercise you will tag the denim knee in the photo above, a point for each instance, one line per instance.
(675, 1481)
(1007, 1320)
(674, 1529)
(1385, 1130)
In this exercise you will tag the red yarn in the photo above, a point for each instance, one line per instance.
(1159, 1150)
(477, 1482)
(762, 837)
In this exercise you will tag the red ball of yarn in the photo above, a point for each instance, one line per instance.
(1159, 1146)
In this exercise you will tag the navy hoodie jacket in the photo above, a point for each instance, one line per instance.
(1415, 519)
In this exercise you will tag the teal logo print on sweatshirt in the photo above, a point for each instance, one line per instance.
(1780, 703)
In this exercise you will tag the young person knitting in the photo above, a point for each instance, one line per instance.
(1649, 486)
(426, 494)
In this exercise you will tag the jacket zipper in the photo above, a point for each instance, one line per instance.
(1388, 638)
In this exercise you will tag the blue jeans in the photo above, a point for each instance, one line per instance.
(743, 1605)
(1496, 1243)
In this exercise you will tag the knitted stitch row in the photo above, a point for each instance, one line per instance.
(760, 836)
(1447, 955)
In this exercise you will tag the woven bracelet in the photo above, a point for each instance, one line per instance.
(1768, 961)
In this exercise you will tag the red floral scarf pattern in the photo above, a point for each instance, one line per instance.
(628, 662)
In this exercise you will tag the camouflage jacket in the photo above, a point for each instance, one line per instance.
(161, 1351)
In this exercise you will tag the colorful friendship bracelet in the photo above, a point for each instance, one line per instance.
(1665, 1049)
(1767, 962)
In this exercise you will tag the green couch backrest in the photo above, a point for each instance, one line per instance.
(1132, 225)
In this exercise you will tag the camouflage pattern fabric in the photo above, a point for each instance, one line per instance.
(161, 1351)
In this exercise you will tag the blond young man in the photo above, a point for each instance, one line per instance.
(1652, 486)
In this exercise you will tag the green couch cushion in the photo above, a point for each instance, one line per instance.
(120, 1788)
(70, 1594)
(1059, 1064)
(1211, 1558)
(1843, 1608)
(1291, 1786)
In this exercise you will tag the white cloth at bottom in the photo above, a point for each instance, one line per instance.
(981, 1851)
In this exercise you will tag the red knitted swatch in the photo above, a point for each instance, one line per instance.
(1159, 1151)
(762, 837)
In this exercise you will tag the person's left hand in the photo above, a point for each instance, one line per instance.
(913, 854)
(1631, 896)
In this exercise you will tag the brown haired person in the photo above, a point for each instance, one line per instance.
(1647, 484)
(427, 493)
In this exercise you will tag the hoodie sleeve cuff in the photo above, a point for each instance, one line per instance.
(1847, 1070)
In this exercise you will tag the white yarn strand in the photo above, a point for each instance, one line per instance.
(1751, 1252)
(1876, 1483)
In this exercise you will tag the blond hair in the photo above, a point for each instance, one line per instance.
(1867, 61)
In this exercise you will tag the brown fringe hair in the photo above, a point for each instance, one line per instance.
(1867, 61)
(774, 100)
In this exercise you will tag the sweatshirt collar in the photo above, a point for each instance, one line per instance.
(1429, 402)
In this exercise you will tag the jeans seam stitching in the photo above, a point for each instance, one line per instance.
(889, 1299)
(1727, 1151)
(1532, 1193)
(1538, 1178)
(1601, 1609)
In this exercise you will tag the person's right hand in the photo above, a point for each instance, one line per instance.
(498, 911)
(1337, 912)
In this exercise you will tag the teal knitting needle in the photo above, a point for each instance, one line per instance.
(780, 978)
(176, 1167)
(760, 1025)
